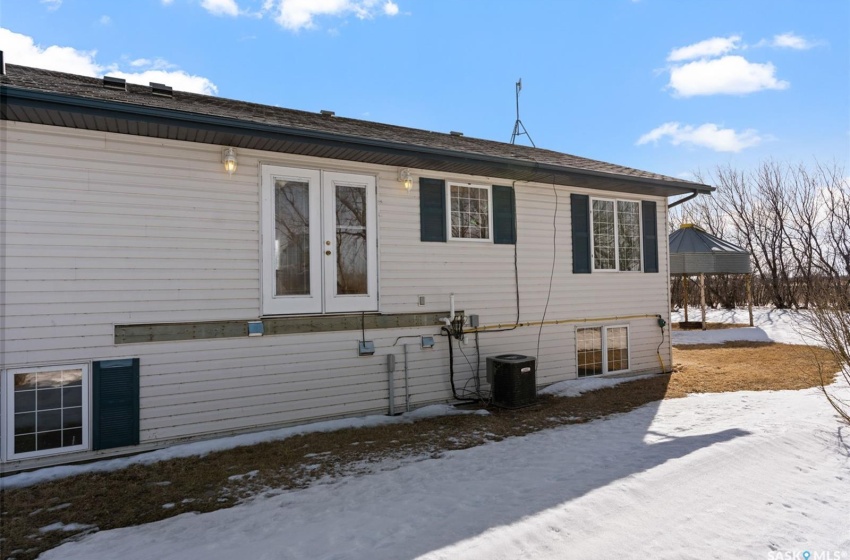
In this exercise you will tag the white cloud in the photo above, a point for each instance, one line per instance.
(52, 5)
(301, 14)
(167, 2)
(21, 49)
(788, 41)
(221, 7)
(105, 20)
(391, 8)
(726, 75)
(715, 46)
(708, 135)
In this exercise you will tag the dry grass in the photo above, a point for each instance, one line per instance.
(136, 495)
(747, 366)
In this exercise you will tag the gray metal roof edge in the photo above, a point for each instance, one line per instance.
(45, 99)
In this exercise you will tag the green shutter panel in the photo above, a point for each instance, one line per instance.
(580, 214)
(504, 215)
(115, 410)
(650, 236)
(432, 209)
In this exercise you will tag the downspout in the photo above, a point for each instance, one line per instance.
(691, 196)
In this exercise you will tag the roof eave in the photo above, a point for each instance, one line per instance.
(27, 105)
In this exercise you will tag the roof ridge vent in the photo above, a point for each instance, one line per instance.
(456, 133)
(327, 113)
(111, 82)
(161, 89)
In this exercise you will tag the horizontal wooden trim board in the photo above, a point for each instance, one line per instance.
(169, 332)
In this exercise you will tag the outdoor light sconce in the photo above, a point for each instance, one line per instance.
(228, 158)
(405, 179)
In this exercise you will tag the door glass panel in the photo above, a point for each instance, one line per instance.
(292, 238)
(351, 242)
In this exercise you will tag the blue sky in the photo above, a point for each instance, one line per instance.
(669, 86)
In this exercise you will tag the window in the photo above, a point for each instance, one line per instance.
(616, 235)
(602, 350)
(46, 410)
(469, 212)
(319, 241)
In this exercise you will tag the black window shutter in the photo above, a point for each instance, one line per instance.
(580, 214)
(650, 236)
(432, 209)
(115, 410)
(504, 215)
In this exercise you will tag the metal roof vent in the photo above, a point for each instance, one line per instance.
(161, 89)
(2, 65)
(111, 82)
(327, 113)
(456, 133)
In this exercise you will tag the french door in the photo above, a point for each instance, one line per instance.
(319, 241)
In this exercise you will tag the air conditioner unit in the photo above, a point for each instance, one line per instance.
(512, 379)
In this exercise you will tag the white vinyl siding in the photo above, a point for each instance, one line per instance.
(105, 229)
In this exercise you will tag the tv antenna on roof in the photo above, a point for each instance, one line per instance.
(519, 128)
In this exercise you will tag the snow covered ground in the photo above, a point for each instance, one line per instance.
(777, 325)
(741, 475)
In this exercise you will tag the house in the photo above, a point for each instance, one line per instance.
(151, 296)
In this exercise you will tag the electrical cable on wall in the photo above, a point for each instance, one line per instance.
(552, 273)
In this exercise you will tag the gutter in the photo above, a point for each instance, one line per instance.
(117, 109)
(691, 196)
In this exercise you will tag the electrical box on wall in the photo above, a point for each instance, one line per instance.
(365, 348)
(255, 328)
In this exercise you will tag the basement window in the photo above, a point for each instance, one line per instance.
(601, 350)
(46, 410)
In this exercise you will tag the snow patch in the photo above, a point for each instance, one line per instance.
(575, 387)
(249, 474)
(59, 526)
(771, 325)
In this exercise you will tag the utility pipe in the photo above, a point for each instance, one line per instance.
(391, 382)
(406, 383)
(560, 322)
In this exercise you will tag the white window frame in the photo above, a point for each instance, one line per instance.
(489, 189)
(604, 330)
(616, 236)
(8, 412)
(322, 298)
